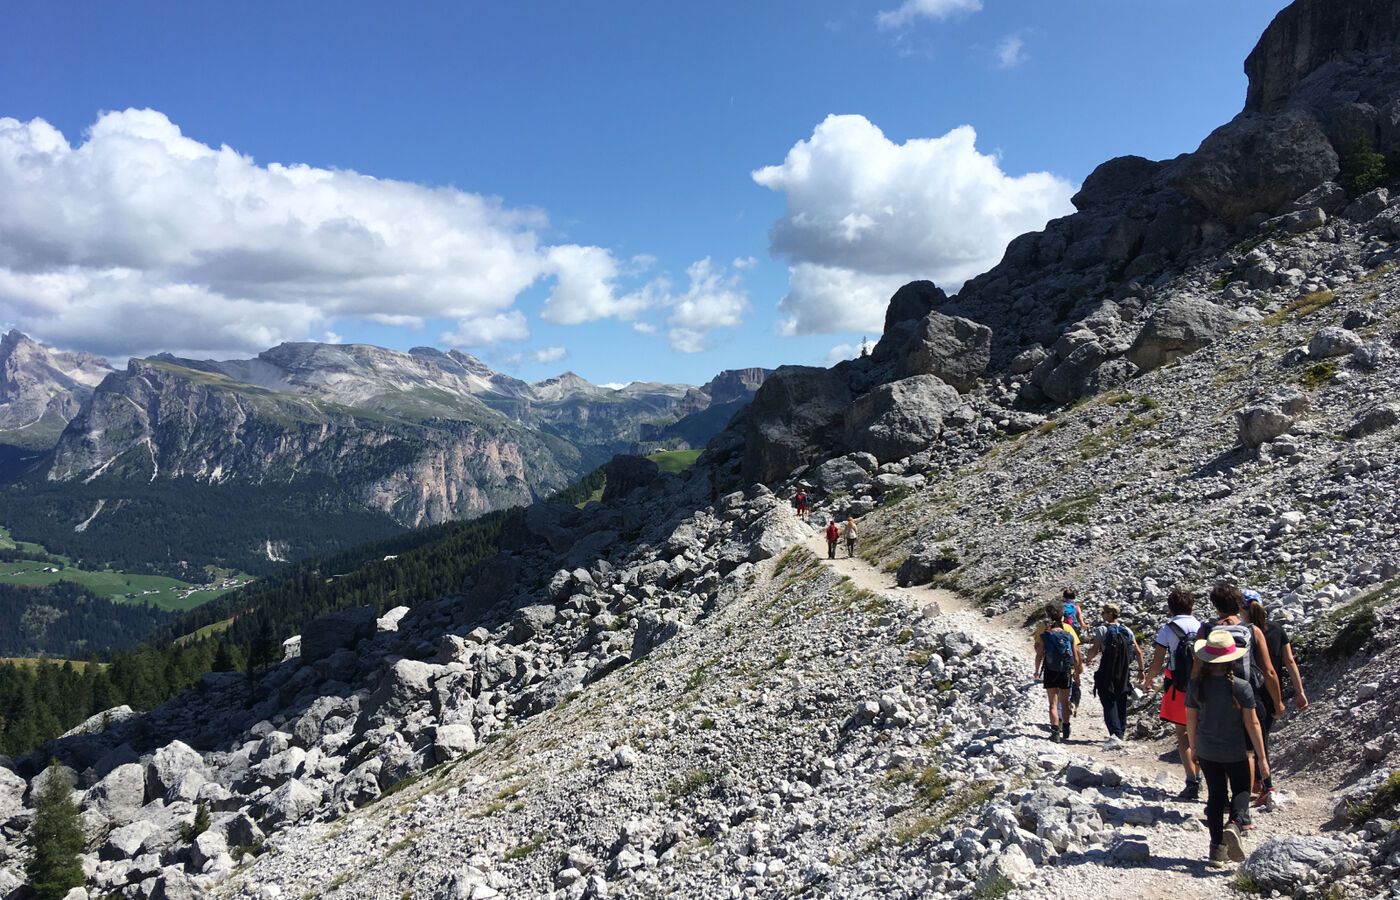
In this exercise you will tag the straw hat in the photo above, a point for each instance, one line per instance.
(1218, 647)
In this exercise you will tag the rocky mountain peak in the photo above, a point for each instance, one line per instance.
(1307, 35)
(42, 389)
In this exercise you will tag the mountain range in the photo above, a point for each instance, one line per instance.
(674, 691)
(385, 438)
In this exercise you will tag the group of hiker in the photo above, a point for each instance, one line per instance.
(834, 532)
(1222, 694)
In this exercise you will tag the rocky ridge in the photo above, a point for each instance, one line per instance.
(41, 389)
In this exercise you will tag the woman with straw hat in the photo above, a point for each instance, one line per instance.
(1219, 713)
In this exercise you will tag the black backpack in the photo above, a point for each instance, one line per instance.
(1113, 675)
(1184, 657)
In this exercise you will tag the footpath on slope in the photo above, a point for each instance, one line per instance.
(1177, 866)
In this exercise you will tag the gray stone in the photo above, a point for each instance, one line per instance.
(290, 803)
(1131, 850)
(900, 418)
(795, 418)
(1377, 418)
(170, 764)
(1333, 341)
(954, 349)
(532, 621)
(1267, 419)
(654, 628)
(1284, 862)
(1178, 328)
(1372, 355)
(1256, 164)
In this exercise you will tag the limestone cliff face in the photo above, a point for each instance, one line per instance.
(1308, 35)
(41, 389)
(161, 420)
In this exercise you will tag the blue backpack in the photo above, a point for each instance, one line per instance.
(1059, 650)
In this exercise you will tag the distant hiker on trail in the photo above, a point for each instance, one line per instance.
(1057, 655)
(1281, 656)
(1072, 614)
(1219, 716)
(850, 536)
(1113, 681)
(1074, 623)
(833, 537)
(802, 504)
(1174, 647)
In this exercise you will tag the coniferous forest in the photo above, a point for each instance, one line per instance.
(41, 699)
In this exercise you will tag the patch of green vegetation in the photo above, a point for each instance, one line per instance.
(920, 826)
(1354, 634)
(707, 724)
(897, 493)
(1303, 306)
(904, 636)
(994, 888)
(403, 843)
(1318, 374)
(1072, 510)
(523, 850)
(676, 461)
(1387, 796)
(1363, 168)
(695, 781)
(1245, 884)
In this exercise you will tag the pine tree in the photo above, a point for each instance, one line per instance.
(57, 837)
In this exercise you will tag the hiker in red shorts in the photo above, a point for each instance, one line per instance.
(1173, 647)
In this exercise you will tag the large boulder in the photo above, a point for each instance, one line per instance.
(907, 309)
(169, 765)
(342, 629)
(1178, 328)
(955, 349)
(1377, 418)
(796, 417)
(1256, 164)
(839, 474)
(1270, 417)
(119, 795)
(774, 532)
(290, 803)
(1283, 863)
(900, 418)
(532, 621)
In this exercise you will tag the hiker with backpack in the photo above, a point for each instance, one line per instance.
(1253, 666)
(833, 537)
(1281, 656)
(1113, 682)
(1057, 656)
(1174, 649)
(1074, 623)
(802, 504)
(1221, 727)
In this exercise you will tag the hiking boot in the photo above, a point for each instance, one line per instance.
(1232, 842)
(1191, 792)
(1216, 860)
(1113, 743)
(1065, 729)
(1054, 735)
(1262, 801)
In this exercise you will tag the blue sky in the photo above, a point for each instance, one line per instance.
(629, 190)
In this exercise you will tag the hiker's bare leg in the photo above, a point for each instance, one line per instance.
(1183, 747)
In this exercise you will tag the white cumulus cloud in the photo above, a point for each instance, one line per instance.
(549, 354)
(865, 215)
(1010, 52)
(140, 238)
(481, 331)
(910, 10)
(713, 301)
